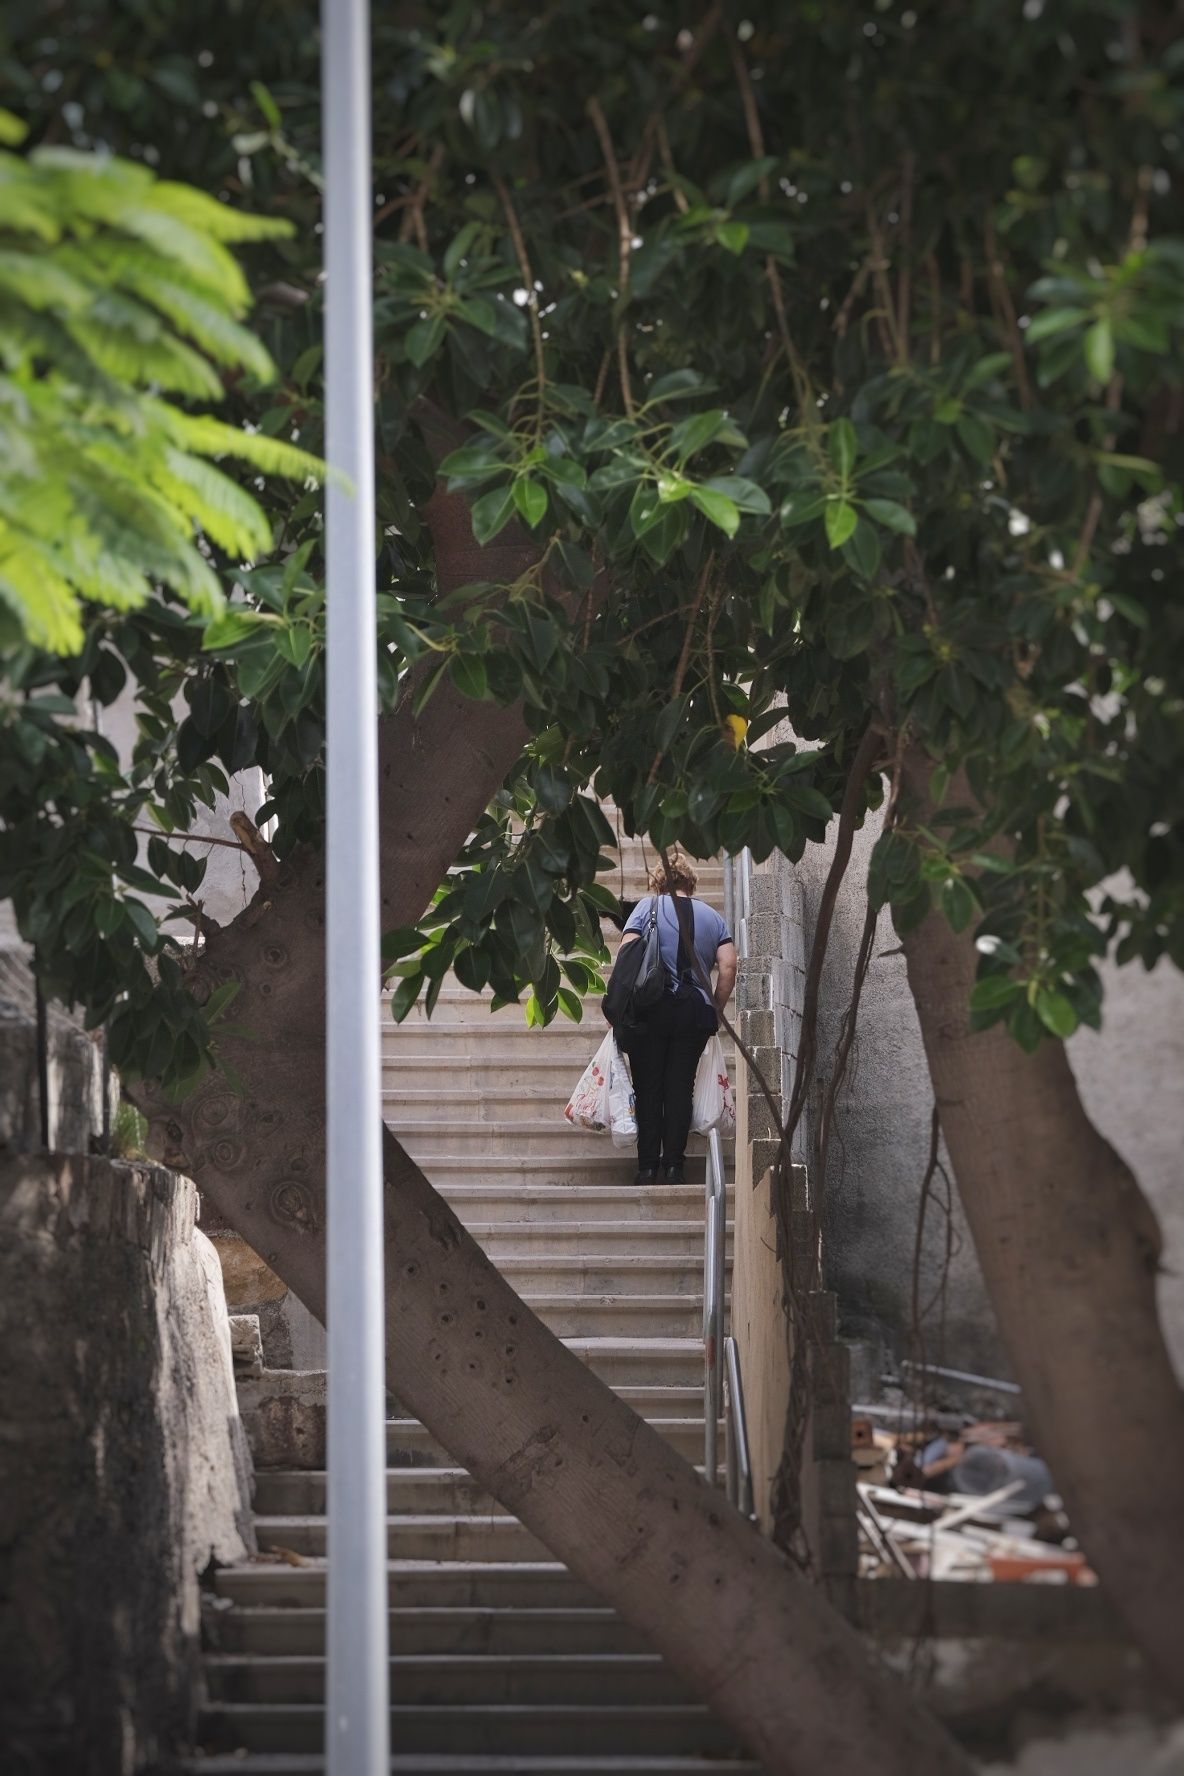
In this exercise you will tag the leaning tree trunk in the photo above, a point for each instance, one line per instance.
(1069, 1248)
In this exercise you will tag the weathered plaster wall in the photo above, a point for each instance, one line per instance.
(1130, 1078)
(123, 1466)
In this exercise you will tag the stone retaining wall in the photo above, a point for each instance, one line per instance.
(124, 1471)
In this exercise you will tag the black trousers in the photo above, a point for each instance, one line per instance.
(663, 1054)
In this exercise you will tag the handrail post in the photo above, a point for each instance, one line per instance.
(740, 1492)
(357, 1700)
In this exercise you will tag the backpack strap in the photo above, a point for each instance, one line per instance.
(684, 961)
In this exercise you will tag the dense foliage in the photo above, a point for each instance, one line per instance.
(831, 354)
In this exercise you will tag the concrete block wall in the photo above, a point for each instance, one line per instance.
(770, 994)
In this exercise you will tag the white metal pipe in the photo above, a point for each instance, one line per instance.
(357, 1701)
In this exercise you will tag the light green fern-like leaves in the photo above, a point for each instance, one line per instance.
(116, 290)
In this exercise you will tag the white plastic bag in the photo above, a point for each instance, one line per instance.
(622, 1108)
(714, 1104)
(588, 1106)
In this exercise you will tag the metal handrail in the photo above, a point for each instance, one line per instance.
(714, 1254)
(723, 1394)
(739, 1463)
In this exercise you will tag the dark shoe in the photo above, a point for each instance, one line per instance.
(675, 1174)
(647, 1175)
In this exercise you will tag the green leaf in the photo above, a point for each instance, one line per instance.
(531, 500)
(1025, 1026)
(841, 519)
(677, 385)
(12, 130)
(1056, 1012)
(893, 516)
(424, 338)
(404, 941)
(1099, 356)
(842, 446)
(553, 788)
(492, 512)
(693, 433)
(994, 991)
(1054, 320)
(468, 674)
(221, 997)
(266, 104)
(108, 914)
(479, 312)
(862, 552)
(722, 511)
(427, 686)
(472, 462)
(405, 995)
(808, 801)
(977, 437)
(733, 236)
(803, 507)
(570, 1004)
(230, 627)
(958, 902)
(143, 924)
(744, 494)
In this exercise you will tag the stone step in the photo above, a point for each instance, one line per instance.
(600, 1239)
(580, 1275)
(619, 1315)
(296, 1492)
(573, 1166)
(503, 1103)
(562, 1044)
(415, 1490)
(421, 1067)
(469, 1034)
(484, 1535)
(485, 1200)
(545, 1137)
(278, 1763)
(471, 1679)
(653, 1361)
(485, 1103)
(413, 1584)
(521, 1631)
(509, 1730)
(409, 1444)
(457, 1004)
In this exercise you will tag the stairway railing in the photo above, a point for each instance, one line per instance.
(723, 1392)
(714, 1254)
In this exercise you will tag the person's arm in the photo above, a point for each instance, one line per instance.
(725, 980)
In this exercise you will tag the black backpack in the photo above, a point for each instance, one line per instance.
(638, 979)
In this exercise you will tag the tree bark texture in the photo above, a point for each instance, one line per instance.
(1070, 1250)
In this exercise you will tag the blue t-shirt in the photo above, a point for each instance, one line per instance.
(710, 932)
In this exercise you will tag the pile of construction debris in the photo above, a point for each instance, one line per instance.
(944, 1496)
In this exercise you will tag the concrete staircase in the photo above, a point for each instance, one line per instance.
(500, 1659)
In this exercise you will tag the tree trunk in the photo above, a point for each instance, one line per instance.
(1070, 1249)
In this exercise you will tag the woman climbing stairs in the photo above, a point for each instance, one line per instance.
(501, 1660)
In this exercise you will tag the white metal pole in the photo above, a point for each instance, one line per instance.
(357, 1702)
